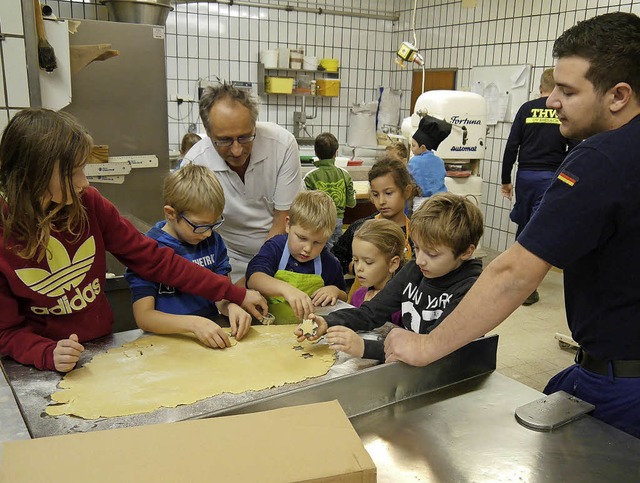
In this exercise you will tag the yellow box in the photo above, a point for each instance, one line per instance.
(330, 65)
(328, 87)
(278, 85)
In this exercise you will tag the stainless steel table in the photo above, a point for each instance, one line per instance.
(468, 432)
(450, 421)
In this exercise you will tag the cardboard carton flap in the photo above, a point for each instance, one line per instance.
(313, 442)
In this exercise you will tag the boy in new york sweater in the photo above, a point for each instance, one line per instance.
(445, 231)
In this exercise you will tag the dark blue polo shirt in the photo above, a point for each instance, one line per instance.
(588, 224)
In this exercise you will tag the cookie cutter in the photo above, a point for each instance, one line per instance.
(268, 319)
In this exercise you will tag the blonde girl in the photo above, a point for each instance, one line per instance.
(378, 252)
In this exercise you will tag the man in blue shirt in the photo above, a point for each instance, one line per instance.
(587, 224)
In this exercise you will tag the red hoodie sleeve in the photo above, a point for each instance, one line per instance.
(158, 264)
(14, 333)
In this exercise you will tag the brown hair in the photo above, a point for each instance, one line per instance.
(611, 44)
(449, 220)
(314, 210)
(193, 188)
(547, 83)
(398, 171)
(325, 146)
(211, 95)
(399, 150)
(35, 145)
(188, 141)
(385, 235)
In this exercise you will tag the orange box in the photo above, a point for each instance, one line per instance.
(328, 87)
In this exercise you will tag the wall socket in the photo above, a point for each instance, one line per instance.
(180, 98)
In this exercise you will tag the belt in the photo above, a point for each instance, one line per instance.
(628, 368)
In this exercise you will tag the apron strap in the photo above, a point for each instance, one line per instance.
(284, 259)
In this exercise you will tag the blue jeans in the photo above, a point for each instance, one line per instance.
(530, 187)
(617, 399)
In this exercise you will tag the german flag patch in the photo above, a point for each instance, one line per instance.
(568, 178)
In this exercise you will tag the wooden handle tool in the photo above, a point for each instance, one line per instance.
(46, 54)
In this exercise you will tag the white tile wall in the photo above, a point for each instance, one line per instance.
(11, 17)
(14, 56)
(13, 80)
(496, 32)
(205, 40)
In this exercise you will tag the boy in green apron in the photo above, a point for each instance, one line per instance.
(295, 270)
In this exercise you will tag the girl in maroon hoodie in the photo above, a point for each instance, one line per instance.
(55, 231)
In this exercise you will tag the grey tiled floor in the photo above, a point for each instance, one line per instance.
(527, 349)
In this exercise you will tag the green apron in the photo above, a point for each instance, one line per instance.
(307, 282)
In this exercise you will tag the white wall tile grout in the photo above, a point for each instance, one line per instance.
(205, 40)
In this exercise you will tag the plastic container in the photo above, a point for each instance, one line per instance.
(330, 65)
(283, 58)
(278, 85)
(296, 56)
(269, 59)
(328, 87)
(302, 85)
(310, 62)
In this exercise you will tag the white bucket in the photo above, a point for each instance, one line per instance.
(269, 58)
(310, 62)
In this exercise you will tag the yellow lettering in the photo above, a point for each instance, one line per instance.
(59, 309)
(80, 301)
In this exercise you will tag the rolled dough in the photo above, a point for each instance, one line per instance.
(169, 370)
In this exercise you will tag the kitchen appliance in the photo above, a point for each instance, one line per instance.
(463, 149)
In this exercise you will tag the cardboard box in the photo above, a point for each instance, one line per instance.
(314, 442)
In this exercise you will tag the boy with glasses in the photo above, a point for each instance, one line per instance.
(194, 201)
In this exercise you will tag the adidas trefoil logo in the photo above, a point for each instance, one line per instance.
(64, 276)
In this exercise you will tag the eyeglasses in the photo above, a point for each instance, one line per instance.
(204, 228)
(226, 142)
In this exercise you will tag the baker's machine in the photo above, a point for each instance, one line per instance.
(463, 149)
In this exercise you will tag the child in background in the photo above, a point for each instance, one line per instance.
(334, 181)
(398, 150)
(425, 166)
(296, 267)
(390, 188)
(445, 230)
(188, 141)
(54, 233)
(193, 204)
